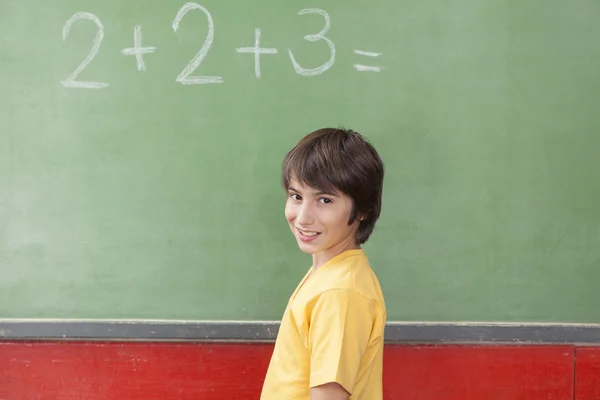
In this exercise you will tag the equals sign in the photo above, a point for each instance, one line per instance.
(367, 68)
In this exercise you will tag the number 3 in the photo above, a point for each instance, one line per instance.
(315, 38)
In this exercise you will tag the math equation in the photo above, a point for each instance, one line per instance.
(187, 75)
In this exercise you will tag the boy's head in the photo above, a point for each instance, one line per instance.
(340, 174)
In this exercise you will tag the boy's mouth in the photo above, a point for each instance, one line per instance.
(308, 234)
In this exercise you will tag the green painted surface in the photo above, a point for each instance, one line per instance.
(153, 199)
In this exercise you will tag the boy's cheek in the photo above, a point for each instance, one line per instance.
(289, 214)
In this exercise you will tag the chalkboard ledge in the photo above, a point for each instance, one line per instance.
(266, 331)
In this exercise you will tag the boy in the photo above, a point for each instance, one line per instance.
(330, 342)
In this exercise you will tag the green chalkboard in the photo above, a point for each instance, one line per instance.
(147, 186)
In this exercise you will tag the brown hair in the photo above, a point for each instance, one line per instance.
(339, 160)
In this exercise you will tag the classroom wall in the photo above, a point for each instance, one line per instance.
(485, 115)
(149, 198)
(219, 371)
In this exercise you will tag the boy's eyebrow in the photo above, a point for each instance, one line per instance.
(317, 193)
(321, 192)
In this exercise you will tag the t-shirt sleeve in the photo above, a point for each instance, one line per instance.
(340, 327)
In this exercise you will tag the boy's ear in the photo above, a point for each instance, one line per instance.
(364, 216)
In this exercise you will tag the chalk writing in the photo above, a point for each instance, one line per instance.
(186, 76)
(71, 79)
(257, 50)
(137, 50)
(367, 68)
(315, 38)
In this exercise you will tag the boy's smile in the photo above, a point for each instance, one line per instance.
(307, 236)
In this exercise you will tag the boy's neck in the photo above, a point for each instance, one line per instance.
(324, 256)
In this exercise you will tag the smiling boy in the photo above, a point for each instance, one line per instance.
(330, 341)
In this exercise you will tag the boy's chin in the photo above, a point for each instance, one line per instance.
(307, 248)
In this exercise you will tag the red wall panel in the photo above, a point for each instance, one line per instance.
(478, 372)
(587, 379)
(165, 371)
(131, 371)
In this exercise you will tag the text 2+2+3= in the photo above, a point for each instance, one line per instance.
(185, 76)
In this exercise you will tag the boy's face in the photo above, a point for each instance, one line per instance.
(319, 221)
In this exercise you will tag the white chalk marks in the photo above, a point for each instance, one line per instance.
(257, 51)
(367, 68)
(315, 38)
(71, 79)
(184, 77)
(137, 50)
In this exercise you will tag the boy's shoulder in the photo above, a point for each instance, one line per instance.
(351, 272)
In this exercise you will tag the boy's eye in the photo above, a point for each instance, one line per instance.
(325, 200)
(295, 196)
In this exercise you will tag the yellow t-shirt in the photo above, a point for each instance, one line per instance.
(331, 331)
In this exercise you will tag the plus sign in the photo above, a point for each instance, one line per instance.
(257, 51)
(137, 50)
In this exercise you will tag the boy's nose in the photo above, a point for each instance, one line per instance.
(305, 215)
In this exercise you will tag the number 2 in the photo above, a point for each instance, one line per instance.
(184, 77)
(315, 38)
(70, 81)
